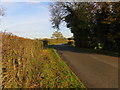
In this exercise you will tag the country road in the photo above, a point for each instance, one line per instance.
(94, 70)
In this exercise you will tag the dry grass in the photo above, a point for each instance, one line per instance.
(25, 64)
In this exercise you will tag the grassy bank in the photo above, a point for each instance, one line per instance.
(26, 64)
(57, 74)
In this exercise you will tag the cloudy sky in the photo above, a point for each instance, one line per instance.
(29, 19)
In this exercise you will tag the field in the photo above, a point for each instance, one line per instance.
(26, 64)
(56, 41)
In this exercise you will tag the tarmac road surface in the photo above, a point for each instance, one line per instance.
(94, 70)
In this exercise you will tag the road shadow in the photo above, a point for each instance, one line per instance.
(83, 50)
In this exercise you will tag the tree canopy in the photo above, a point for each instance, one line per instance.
(92, 23)
(57, 35)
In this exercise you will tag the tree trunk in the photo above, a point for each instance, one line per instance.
(78, 39)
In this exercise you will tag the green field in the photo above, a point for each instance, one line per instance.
(56, 41)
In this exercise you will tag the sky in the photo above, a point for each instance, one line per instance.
(29, 20)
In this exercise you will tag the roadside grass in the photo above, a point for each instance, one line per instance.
(26, 64)
(57, 72)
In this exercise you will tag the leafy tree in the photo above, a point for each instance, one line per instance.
(76, 16)
(107, 26)
(92, 24)
(57, 35)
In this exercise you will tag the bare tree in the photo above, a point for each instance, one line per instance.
(58, 13)
(1, 11)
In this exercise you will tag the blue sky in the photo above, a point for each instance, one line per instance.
(29, 20)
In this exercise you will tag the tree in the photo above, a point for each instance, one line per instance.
(1, 12)
(97, 22)
(57, 35)
(76, 17)
(56, 15)
(107, 25)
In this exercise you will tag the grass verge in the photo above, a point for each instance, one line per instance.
(57, 74)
